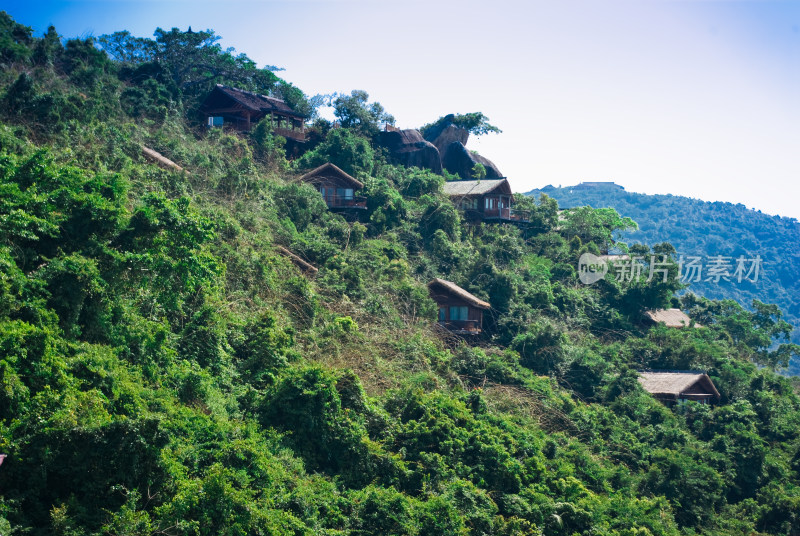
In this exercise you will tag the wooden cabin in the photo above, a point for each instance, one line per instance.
(672, 318)
(337, 187)
(485, 200)
(673, 387)
(239, 109)
(459, 311)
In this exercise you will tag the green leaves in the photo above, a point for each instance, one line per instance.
(343, 148)
(475, 123)
(355, 113)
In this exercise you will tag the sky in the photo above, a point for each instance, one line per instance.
(699, 98)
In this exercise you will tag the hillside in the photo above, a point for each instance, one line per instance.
(705, 229)
(196, 342)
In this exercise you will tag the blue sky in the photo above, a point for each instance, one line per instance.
(694, 98)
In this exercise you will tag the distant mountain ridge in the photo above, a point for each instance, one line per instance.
(707, 229)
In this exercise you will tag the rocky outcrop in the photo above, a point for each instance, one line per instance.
(457, 159)
(449, 134)
(451, 142)
(409, 148)
(443, 147)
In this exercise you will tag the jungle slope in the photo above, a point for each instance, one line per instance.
(166, 369)
(708, 229)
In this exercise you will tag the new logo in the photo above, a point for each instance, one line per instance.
(591, 268)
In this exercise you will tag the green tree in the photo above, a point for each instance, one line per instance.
(355, 112)
(343, 148)
(475, 123)
(15, 40)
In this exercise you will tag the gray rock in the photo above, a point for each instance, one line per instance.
(457, 159)
(409, 148)
(448, 135)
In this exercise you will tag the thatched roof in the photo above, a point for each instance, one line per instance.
(257, 103)
(328, 170)
(677, 383)
(451, 288)
(481, 187)
(160, 159)
(300, 263)
(672, 318)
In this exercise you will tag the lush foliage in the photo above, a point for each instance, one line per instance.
(165, 369)
(704, 229)
(475, 123)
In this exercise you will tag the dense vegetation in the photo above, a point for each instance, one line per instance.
(705, 229)
(165, 371)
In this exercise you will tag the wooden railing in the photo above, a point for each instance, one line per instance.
(499, 213)
(469, 326)
(295, 134)
(508, 214)
(520, 215)
(336, 201)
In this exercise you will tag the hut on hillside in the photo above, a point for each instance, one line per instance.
(228, 106)
(459, 311)
(485, 200)
(672, 387)
(672, 318)
(337, 187)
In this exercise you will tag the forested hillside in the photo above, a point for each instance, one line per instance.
(166, 368)
(703, 229)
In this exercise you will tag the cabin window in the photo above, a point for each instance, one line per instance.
(344, 193)
(215, 121)
(469, 204)
(458, 313)
(442, 313)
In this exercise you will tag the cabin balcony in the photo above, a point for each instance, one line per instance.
(462, 327)
(286, 129)
(346, 202)
(507, 214)
(291, 133)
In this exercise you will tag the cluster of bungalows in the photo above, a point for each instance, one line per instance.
(672, 387)
(486, 200)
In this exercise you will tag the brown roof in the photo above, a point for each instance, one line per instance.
(673, 318)
(331, 169)
(676, 383)
(480, 187)
(256, 102)
(452, 288)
